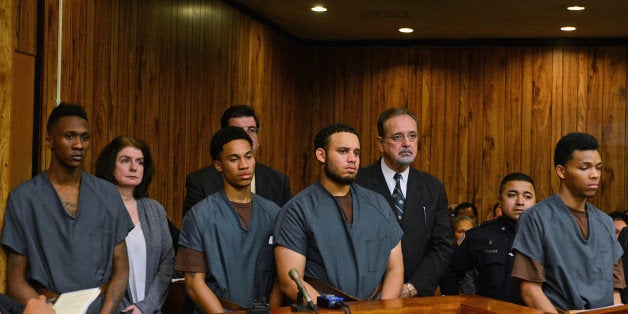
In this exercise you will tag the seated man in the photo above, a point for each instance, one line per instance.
(64, 229)
(225, 245)
(487, 247)
(338, 232)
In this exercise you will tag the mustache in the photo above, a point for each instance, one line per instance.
(405, 150)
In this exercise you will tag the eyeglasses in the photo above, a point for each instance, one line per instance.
(398, 138)
(252, 130)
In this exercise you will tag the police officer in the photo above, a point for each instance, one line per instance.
(487, 248)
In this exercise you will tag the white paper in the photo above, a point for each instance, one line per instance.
(76, 302)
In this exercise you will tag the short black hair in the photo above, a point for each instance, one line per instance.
(322, 137)
(106, 162)
(236, 112)
(466, 205)
(617, 215)
(391, 113)
(573, 142)
(515, 176)
(65, 110)
(224, 136)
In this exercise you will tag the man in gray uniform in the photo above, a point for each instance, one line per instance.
(338, 232)
(567, 256)
(225, 243)
(64, 229)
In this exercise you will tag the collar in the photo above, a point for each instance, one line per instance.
(389, 173)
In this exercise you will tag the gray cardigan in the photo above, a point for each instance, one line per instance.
(159, 256)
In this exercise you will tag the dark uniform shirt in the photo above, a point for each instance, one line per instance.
(487, 249)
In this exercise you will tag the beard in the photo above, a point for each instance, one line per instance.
(347, 180)
(405, 160)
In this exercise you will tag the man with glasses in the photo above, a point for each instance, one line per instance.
(418, 200)
(206, 181)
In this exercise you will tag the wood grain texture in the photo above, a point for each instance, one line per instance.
(164, 71)
(8, 20)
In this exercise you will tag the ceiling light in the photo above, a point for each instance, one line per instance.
(319, 8)
(567, 28)
(406, 30)
(575, 8)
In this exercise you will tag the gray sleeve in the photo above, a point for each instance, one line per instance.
(13, 232)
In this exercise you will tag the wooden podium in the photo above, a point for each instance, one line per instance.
(466, 304)
(471, 304)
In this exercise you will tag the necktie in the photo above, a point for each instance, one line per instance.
(398, 197)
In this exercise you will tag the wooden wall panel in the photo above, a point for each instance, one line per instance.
(25, 25)
(164, 71)
(485, 112)
(8, 22)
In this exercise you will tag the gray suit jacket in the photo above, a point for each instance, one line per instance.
(159, 256)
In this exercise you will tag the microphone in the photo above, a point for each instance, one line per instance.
(294, 275)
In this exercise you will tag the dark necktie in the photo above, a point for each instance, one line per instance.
(398, 197)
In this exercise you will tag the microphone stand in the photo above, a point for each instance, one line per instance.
(299, 305)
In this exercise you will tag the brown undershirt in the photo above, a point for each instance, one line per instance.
(244, 211)
(346, 203)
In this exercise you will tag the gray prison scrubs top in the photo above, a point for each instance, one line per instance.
(350, 256)
(578, 272)
(240, 262)
(66, 254)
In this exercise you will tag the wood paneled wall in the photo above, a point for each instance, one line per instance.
(17, 66)
(484, 112)
(164, 71)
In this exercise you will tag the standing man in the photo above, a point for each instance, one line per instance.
(273, 186)
(226, 248)
(487, 248)
(567, 255)
(417, 199)
(337, 232)
(64, 229)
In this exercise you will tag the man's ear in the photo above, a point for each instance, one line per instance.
(48, 142)
(320, 155)
(380, 143)
(560, 171)
(218, 165)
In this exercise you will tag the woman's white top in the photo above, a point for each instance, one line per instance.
(136, 247)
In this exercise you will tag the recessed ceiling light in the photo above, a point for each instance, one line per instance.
(567, 28)
(575, 8)
(406, 30)
(319, 8)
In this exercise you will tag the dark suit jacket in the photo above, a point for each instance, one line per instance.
(426, 242)
(269, 183)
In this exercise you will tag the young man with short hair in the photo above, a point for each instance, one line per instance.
(338, 232)
(566, 252)
(226, 248)
(65, 229)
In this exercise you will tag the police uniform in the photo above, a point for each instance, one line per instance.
(486, 248)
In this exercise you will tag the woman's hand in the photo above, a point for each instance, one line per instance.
(132, 309)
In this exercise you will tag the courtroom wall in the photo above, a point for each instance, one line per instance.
(164, 71)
